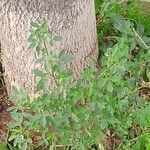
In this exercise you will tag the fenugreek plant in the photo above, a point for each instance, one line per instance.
(102, 104)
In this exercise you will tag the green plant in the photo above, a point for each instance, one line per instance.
(138, 63)
(102, 104)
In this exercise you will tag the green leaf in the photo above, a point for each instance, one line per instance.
(121, 93)
(43, 121)
(51, 147)
(15, 90)
(133, 43)
(36, 117)
(40, 60)
(23, 94)
(11, 108)
(32, 40)
(148, 75)
(13, 136)
(19, 140)
(19, 120)
(15, 115)
(34, 24)
(33, 45)
(119, 22)
(103, 124)
(102, 82)
(38, 48)
(12, 124)
(24, 146)
(110, 86)
(82, 147)
(140, 41)
(101, 147)
(66, 58)
(38, 73)
(51, 42)
(140, 29)
(57, 38)
(74, 117)
(25, 114)
(27, 123)
(146, 39)
(61, 54)
(42, 84)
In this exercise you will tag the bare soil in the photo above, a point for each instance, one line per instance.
(4, 115)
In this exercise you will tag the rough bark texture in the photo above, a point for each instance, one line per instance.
(74, 20)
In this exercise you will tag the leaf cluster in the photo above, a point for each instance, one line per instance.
(79, 115)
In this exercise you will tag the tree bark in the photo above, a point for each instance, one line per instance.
(73, 20)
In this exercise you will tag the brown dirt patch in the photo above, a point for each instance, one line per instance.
(4, 115)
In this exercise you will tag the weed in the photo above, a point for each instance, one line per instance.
(103, 109)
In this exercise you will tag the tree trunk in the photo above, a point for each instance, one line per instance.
(73, 20)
